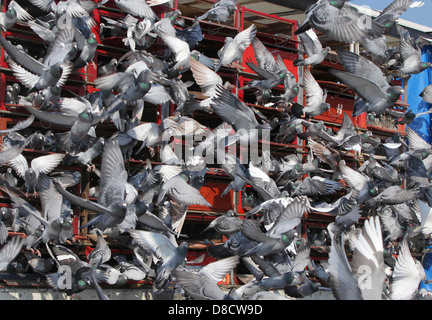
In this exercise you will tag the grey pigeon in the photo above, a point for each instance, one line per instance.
(220, 11)
(108, 216)
(267, 245)
(14, 13)
(234, 48)
(236, 245)
(270, 80)
(86, 157)
(101, 252)
(392, 195)
(178, 189)
(367, 80)
(346, 278)
(33, 74)
(314, 50)
(360, 183)
(291, 87)
(426, 94)
(21, 125)
(281, 214)
(137, 8)
(338, 20)
(226, 224)
(129, 86)
(315, 99)
(8, 154)
(80, 272)
(87, 46)
(406, 275)
(233, 111)
(180, 51)
(317, 186)
(203, 284)
(163, 249)
(10, 250)
(411, 59)
(30, 173)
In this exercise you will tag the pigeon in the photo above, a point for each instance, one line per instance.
(349, 280)
(101, 252)
(178, 189)
(233, 48)
(314, 50)
(234, 112)
(270, 80)
(80, 276)
(226, 224)
(181, 51)
(267, 245)
(87, 46)
(14, 13)
(364, 77)
(30, 174)
(202, 285)
(340, 21)
(220, 11)
(34, 74)
(130, 87)
(406, 276)
(163, 249)
(360, 183)
(10, 153)
(315, 99)
(281, 214)
(10, 250)
(392, 195)
(426, 94)
(136, 8)
(411, 59)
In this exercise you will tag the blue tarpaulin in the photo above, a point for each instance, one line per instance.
(416, 84)
(422, 125)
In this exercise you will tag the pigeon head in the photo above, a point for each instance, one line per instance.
(183, 248)
(325, 50)
(288, 236)
(425, 65)
(81, 284)
(92, 39)
(337, 3)
(11, 13)
(231, 9)
(67, 221)
(86, 115)
(122, 279)
(410, 115)
(325, 106)
(99, 145)
(141, 208)
(143, 81)
(373, 191)
(230, 213)
(288, 277)
(394, 92)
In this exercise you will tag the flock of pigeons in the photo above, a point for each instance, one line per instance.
(375, 219)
